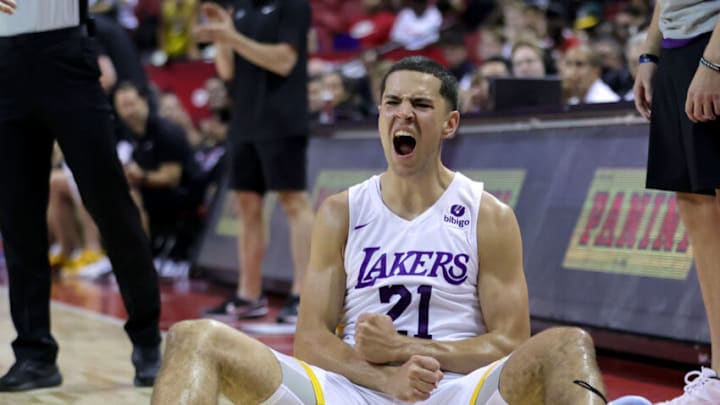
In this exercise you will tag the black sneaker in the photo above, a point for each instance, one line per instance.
(147, 364)
(289, 312)
(239, 308)
(27, 375)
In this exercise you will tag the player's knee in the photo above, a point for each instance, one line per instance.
(568, 335)
(192, 331)
(294, 202)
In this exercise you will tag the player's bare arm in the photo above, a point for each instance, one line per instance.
(642, 89)
(278, 58)
(503, 298)
(323, 299)
(703, 99)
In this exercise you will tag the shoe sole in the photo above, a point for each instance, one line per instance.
(253, 313)
(45, 382)
(289, 319)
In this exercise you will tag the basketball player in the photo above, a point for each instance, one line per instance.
(415, 292)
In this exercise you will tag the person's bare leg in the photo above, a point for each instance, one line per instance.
(298, 209)
(204, 358)
(251, 243)
(137, 199)
(61, 212)
(542, 370)
(91, 235)
(701, 216)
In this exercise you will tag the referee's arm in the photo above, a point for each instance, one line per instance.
(7, 6)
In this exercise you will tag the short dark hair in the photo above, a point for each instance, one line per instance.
(422, 64)
(128, 85)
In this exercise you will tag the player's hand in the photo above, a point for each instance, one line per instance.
(703, 97)
(414, 380)
(7, 6)
(376, 339)
(219, 26)
(134, 174)
(642, 90)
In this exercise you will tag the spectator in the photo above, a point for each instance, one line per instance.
(163, 168)
(74, 229)
(345, 103)
(527, 59)
(146, 35)
(587, 21)
(628, 22)
(496, 66)
(316, 101)
(417, 25)
(176, 22)
(490, 44)
(171, 109)
(633, 49)
(219, 101)
(560, 37)
(455, 52)
(373, 28)
(615, 72)
(477, 97)
(514, 23)
(580, 72)
(466, 15)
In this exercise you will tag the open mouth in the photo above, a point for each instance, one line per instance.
(404, 143)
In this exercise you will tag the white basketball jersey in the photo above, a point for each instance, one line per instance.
(422, 273)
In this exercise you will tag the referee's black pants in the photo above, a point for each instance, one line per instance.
(49, 90)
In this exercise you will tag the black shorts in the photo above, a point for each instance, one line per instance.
(682, 156)
(274, 165)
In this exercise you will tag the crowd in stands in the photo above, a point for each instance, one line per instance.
(589, 47)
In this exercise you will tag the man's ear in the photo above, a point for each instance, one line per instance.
(451, 124)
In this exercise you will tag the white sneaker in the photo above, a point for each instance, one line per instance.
(630, 400)
(96, 269)
(701, 388)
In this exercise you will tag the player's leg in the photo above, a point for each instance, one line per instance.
(61, 217)
(204, 358)
(285, 164)
(247, 181)
(556, 366)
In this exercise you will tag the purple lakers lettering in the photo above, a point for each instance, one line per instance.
(377, 266)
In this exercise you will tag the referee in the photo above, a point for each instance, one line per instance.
(49, 90)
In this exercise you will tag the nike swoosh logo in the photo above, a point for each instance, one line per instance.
(361, 226)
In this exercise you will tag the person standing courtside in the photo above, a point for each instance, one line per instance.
(49, 90)
(678, 80)
(262, 52)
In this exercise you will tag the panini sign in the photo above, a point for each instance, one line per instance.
(624, 228)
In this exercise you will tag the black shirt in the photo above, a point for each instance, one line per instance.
(165, 142)
(266, 105)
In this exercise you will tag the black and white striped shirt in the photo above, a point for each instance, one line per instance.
(40, 15)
